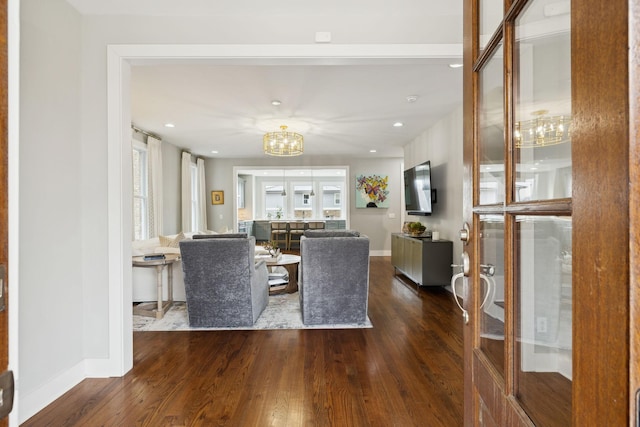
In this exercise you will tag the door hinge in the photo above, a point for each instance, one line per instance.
(6, 393)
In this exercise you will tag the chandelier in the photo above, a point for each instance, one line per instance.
(283, 143)
(542, 131)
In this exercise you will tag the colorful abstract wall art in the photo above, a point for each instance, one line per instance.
(371, 191)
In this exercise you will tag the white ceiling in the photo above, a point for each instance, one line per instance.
(340, 109)
(344, 108)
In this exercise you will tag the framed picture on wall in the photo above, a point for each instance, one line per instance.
(217, 197)
(371, 191)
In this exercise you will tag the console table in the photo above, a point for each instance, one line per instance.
(158, 309)
(426, 262)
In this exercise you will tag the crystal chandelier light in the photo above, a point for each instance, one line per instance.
(542, 131)
(283, 143)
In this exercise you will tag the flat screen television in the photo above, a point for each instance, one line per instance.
(418, 194)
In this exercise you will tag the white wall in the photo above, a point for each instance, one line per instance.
(442, 145)
(55, 234)
(64, 322)
(378, 223)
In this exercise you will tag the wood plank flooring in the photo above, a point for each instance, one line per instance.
(405, 371)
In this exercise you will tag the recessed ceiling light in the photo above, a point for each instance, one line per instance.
(373, 151)
(455, 65)
(214, 151)
(169, 125)
(275, 102)
(398, 124)
(412, 98)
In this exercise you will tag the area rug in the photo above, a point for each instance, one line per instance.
(282, 312)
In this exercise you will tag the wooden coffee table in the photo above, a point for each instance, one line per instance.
(290, 262)
(158, 309)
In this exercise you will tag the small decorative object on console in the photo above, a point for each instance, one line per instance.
(416, 228)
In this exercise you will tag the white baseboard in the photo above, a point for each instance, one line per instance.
(380, 253)
(35, 401)
(99, 368)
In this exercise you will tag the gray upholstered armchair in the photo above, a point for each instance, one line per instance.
(334, 277)
(224, 284)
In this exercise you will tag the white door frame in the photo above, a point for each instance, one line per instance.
(119, 61)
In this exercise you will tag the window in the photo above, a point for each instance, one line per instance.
(140, 193)
(332, 200)
(274, 201)
(303, 207)
(318, 193)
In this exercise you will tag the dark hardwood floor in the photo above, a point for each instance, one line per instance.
(405, 371)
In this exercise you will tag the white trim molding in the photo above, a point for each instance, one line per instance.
(120, 59)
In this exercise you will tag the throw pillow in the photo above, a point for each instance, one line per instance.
(206, 232)
(165, 250)
(171, 242)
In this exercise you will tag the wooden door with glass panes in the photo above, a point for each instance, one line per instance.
(6, 376)
(546, 203)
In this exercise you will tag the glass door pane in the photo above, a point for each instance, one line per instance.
(542, 94)
(492, 289)
(544, 330)
(491, 130)
(491, 13)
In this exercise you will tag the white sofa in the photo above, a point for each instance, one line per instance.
(144, 279)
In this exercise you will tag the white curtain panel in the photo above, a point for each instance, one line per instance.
(154, 153)
(133, 229)
(186, 192)
(202, 196)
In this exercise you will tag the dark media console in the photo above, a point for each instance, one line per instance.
(424, 261)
